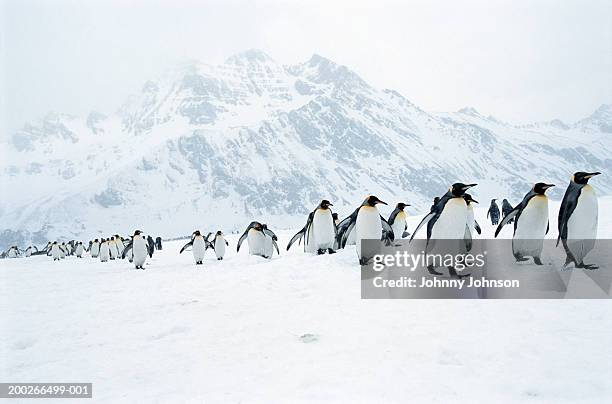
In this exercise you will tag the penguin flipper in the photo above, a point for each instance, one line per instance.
(345, 227)
(568, 205)
(507, 219)
(126, 249)
(275, 246)
(184, 247)
(477, 227)
(298, 236)
(425, 220)
(387, 231)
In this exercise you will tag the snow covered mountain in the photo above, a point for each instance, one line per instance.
(217, 146)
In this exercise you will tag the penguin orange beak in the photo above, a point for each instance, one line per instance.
(589, 175)
(468, 186)
(384, 203)
(548, 186)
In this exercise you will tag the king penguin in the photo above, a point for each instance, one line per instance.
(56, 251)
(262, 240)
(198, 247)
(397, 221)
(448, 220)
(78, 249)
(367, 224)
(493, 212)
(218, 244)
(140, 248)
(530, 224)
(473, 225)
(320, 232)
(578, 219)
(95, 249)
(104, 250)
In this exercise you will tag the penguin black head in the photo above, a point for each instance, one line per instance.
(493, 200)
(541, 187)
(335, 216)
(401, 205)
(137, 233)
(436, 200)
(582, 178)
(219, 233)
(373, 201)
(325, 204)
(258, 226)
(468, 199)
(197, 233)
(459, 188)
(95, 240)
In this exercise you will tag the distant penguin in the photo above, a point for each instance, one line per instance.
(397, 221)
(13, 252)
(473, 225)
(198, 246)
(218, 244)
(95, 249)
(112, 248)
(28, 251)
(78, 249)
(493, 212)
(104, 253)
(319, 233)
(262, 241)
(448, 220)
(64, 250)
(368, 224)
(578, 216)
(140, 248)
(151, 243)
(119, 245)
(158, 243)
(506, 209)
(56, 251)
(530, 224)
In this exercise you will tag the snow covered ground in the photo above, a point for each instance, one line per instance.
(290, 329)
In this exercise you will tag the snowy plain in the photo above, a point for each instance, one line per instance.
(290, 329)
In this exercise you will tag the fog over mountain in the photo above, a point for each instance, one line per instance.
(216, 146)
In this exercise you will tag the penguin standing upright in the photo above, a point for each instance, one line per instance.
(158, 243)
(367, 224)
(493, 212)
(28, 252)
(218, 244)
(577, 221)
(448, 220)
(397, 221)
(319, 233)
(506, 209)
(95, 249)
(104, 250)
(119, 245)
(473, 225)
(112, 248)
(64, 250)
(198, 246)
(56, 251)
(150, 243)
(13, 252)
(530, 224)
(140, 248)
(262, 241)
(78, 249)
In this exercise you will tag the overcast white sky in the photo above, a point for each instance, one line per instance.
(518, 60)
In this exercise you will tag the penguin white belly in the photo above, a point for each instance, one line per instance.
(12, 253)
(470, 220)
(452, 221)
(399, 225)
(120, 247)
(56, 252)
(257, 243)
(219, 247)
(350, 239)
(104, 253)
(79, 251)
(533, 221)
(198, 248)
(268, 247)
(139, 248)
(28, 252)
(322, 229)
(95, 250)
(582, 224)
(367, 227)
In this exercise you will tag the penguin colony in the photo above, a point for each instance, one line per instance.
(451, 216)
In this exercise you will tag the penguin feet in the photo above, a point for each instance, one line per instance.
(520, 258)
(331, 251)
(320, 251)
(453, 273)
(198, 262)
(219, 259)
(431, 270)
(537, 261)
